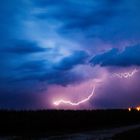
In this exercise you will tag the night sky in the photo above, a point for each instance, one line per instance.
(59, 49)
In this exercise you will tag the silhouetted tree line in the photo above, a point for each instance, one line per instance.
(52, 122)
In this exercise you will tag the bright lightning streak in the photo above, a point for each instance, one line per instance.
(74, 103)
(126, 74)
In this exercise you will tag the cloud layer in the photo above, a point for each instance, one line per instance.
(128, 57)
(46, 44)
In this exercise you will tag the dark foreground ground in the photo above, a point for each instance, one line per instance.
(133, 134)
(58, 122)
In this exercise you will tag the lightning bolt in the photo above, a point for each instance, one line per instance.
(125, 74)
(68, 102)
(74, 103)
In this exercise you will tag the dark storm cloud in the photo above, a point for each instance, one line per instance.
(44, 71)
(33, 66)
(48, 76)
(109, 20)
(24, 100)
(61, 72)
(23, 47)
(52, 73)
(12, 13)
(78, 57)
(128, 57)
(78, 15)
(63, 78)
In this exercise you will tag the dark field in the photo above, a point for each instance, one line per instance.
(128, 135)
(57, 122)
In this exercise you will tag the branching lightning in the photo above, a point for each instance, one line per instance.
(125, 74)
(119, 75)
(74, 103)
